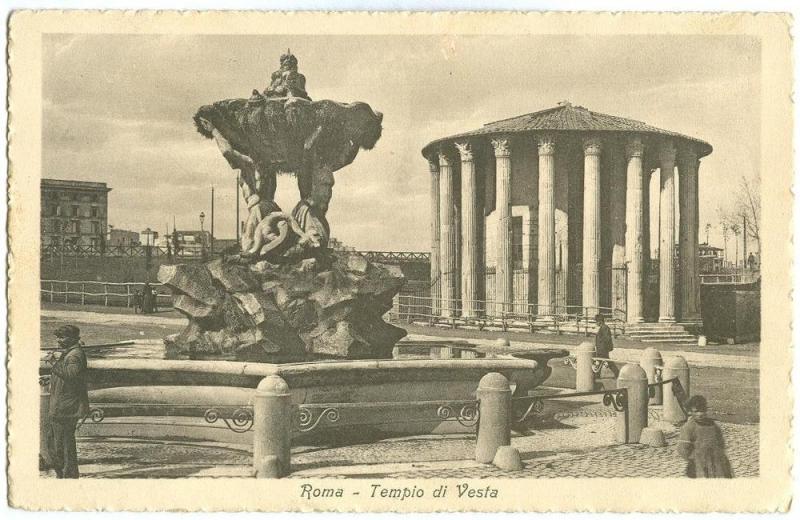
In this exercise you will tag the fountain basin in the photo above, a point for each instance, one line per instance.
(420, 372)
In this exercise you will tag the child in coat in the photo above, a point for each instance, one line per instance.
(701, 443)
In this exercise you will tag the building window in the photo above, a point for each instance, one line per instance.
(58, 211)
(516, 241)
(75, 226)
(95, 227)
(95, 212)
(76, 210)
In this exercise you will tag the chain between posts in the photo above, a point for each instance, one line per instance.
(598, 364)
(616, 398)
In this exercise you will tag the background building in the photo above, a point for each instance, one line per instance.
(122, 237)
(73, 212)
(189, 243)
(711, 259)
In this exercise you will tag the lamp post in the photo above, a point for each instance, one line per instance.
(202, 235)
(147, 233)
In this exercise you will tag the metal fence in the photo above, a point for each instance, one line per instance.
(729, 278)
(101, 293)
(129, 251)
(410, 308)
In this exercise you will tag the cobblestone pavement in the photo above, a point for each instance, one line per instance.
(575, 443)
(629, 460)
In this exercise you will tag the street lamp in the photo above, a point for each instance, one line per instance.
(148, 233)
(202, 234)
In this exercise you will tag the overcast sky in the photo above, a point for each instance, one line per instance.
(118, 109)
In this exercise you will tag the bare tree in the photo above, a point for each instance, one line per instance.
(747, 206)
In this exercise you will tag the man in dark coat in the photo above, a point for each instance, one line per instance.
(69, 401)
(604, 343)
(147, 299)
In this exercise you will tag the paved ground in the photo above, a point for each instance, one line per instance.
(572, 340)
(712, 374)
(168, 322)
(548, 451)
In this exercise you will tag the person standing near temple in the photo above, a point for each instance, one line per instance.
(604, 343)
(69, 401)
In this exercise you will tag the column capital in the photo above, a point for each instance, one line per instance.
(592, 145)
(666, 152)
(687, 156)
(634, 147)
(444, 158)
(502, 147)
(433, 166)
(465, 151)
(547, 144)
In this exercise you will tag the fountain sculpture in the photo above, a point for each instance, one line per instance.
(285, 296)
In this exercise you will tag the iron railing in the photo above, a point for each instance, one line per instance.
(525, 407)
(130, 251)
(410, 308)
(389, 257)
(101, 293)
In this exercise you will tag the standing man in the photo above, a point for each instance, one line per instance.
(604, 343)
(147, 299)
(69, 400)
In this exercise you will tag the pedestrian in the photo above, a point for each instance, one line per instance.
(69, 401)
(147, 299)
(137, 302)
(604, 344)
(701, 443)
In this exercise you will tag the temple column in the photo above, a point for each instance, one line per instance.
(617, 218)
(637, 182)
(666, 249)
(447, 237)
(546, 292)
(504, 269)
(591, 225)
(687, 176)
(470, 265)
(436, 281)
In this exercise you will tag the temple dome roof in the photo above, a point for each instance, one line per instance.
(567, 117)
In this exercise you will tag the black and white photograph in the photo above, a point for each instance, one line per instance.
(388, 266)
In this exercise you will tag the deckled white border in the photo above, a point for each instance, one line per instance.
(769, 492)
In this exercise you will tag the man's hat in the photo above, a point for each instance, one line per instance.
(68, 331)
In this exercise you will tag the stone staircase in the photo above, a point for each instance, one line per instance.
(660, 333)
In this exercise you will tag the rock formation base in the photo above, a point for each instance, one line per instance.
(330, 306)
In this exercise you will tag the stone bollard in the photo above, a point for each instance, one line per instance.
(653, 437)
(675, 367)
(272, 418)
(584, 375)
(629, 429)
(650, 359)
(494, 426)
